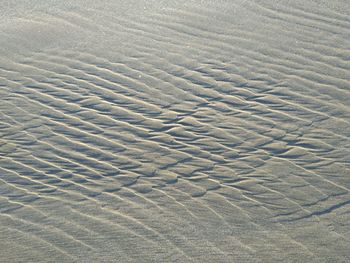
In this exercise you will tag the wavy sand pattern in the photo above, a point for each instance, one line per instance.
(194, 131)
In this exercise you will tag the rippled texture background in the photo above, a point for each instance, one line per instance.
(175, 131)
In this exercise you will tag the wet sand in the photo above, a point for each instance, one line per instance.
(190, 131)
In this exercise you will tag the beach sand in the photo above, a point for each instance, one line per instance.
(175, 131)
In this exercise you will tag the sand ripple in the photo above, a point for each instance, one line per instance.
(175, 132)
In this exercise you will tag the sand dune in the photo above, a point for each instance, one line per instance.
(175, 131)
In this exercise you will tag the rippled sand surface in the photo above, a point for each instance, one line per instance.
(175, 131)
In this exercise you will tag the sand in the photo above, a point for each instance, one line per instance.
(175, 131)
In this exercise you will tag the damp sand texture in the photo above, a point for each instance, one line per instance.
(175, 131)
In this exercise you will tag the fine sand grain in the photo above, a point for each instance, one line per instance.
(175, 131)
